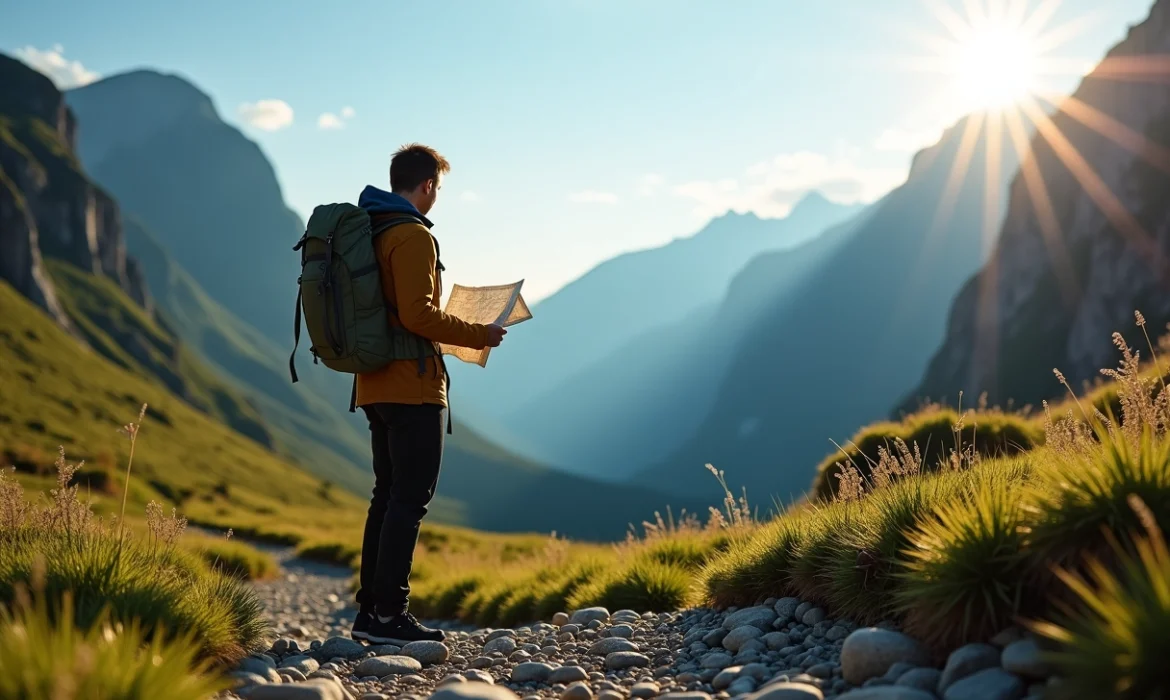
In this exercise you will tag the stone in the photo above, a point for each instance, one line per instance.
(776, 641)
(560, 619)
(472, 691)
(736, 637)
(716, 660)
(921, 678)
(785, 609)
(966, 660)
(577, 691)
(315, 689)
(291, 675)
(341, 647)
(610, 695)
(821, 670)
(427, 652)
(623, 631)
(476, 675)
(384, 650)
(741, 686)
(531, 671)
(568, 674)
(481, 662)
(608, 645)
(760, 672)
(725, 677)
(813, 616)
(243, 679)
(586, 616)
(382, 666)
(504, 645)
(685, 695)
(1023, 658)
(644, 689)
(284, 645)
(869, 652)
(836, 634)
(496, 634)
(1006, 636)
(260, 667)
(887, 692)
(759, 616)
(302, 663)
(788, 691)
(373, 696)
(453, 678)
(625, 659)
(988, 684)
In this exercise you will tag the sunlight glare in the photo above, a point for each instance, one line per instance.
(996, 68)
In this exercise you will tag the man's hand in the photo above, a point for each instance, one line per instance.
(495, 335)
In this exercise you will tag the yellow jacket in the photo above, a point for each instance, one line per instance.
(412, 283)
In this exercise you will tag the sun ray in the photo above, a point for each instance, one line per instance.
(1112, 207)
(976, 17)
(1016, 10)
(1040, 17)
(952, 21)
(987, 337)
(1134, 141)
(1060, 35)
(1041, 201)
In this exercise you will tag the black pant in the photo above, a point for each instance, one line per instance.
(407, 442)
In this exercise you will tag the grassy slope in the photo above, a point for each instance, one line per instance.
(66, 395)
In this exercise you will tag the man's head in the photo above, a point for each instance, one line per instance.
(416, 172)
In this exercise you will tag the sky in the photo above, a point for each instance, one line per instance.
(576, 129)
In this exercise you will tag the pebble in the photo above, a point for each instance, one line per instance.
(577, 691)
(988, 684)
(302, 663)
(381, 666)
(427, 652)
(626, 659)
(716, 660)
(759, 616)
(568, 674)
(340, 646)
(887, 692)
(531, 671)
(921, 678)
(788, 691)
(644, 689)
(587, 616)
(316, 689)
(869, 652)
(609, 645)
(503, 645)
(965, 661)
(1023, 658)
(737, 637)
(472, 691)
(813, 616)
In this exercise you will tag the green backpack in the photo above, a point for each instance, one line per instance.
(341, 296)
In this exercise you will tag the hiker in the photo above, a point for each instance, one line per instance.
(406, 400)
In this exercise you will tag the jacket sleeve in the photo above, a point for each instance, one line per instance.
(412, 263)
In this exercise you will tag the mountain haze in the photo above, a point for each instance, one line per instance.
(841, 347)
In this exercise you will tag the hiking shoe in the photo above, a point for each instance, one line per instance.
(401, 630)
(361, 625)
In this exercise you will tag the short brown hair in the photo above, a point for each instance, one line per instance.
(414, 164)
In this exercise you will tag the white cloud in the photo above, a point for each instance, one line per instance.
(649, 185)
(269, 115)
(593, 197)
(905, 140)
(52, 62)
(329, 120)
(770, 188)
(347, 112)
(469, 196)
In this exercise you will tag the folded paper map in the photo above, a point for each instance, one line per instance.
(501, 305)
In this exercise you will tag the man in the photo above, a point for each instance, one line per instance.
(406, 401)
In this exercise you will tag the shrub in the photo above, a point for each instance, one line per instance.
(43, 655)
(936, 433)
(234, 558)
(759, 567)
(645, 586)
(1113, 643)
(339, 553)
(964, 575)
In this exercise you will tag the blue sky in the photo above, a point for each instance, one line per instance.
(577, 129)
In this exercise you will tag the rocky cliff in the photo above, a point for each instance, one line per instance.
(1085, 241)
(47, 203)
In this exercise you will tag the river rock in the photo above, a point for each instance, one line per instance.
(504, 645)
(608, 645)
(788, 691)
(644, 689)
(887, 692)
(625, 659)
(568, 674)
(304, 664)
(1023, 658)
(260, 667)
(341, 647)
(316, 689)
(585, 616)
(869, 652)
(760, 616)
(382, 666)
(964, 661)
(531, 671)
(988, 684)
(921, 678)
(473, 691)
(577, 691)
(427, 652)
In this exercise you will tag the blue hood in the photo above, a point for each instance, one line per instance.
(376, 201)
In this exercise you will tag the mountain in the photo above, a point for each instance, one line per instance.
(1071, 267)
(639, 403)
(606, 309)
(200, 185)
(483, 485)
(852, 333)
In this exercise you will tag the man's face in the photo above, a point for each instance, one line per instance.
(430, 192)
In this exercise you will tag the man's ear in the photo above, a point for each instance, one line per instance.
(429, 186)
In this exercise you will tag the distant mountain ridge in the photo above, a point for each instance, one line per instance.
(600, 314)
(841, 346)
(1052, 296)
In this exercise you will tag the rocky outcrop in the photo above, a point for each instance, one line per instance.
(1077, 257)
(49, 202)
(20, 264)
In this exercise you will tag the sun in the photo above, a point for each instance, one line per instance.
(995, 67)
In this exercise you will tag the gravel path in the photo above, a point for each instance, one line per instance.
(783, 649)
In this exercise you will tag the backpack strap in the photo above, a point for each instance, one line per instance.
(292, 359)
